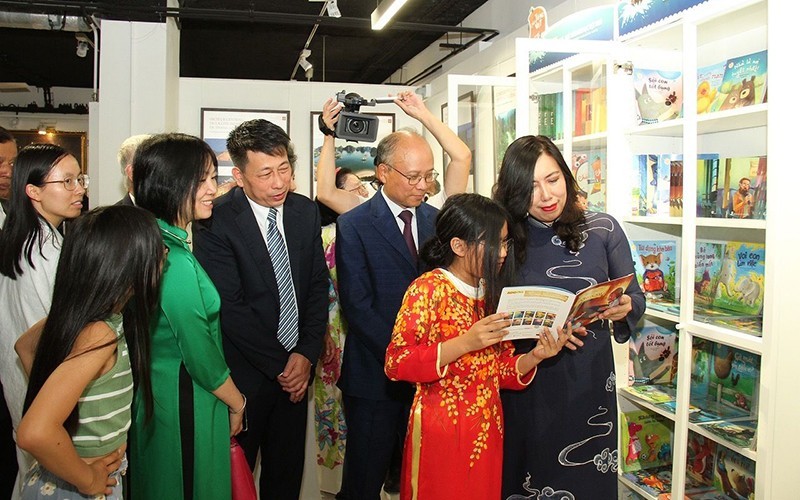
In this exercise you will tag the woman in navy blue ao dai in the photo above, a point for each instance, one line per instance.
(561, 433)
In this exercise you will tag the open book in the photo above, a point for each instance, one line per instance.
(532, 308)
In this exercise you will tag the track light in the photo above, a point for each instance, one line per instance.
(384, 12)
(332, 8)
(303, 62)
(83, 45)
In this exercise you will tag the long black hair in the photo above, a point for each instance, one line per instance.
(110, 255)
(514, 190)
(167, 170)
(25, 229)
(474, 219)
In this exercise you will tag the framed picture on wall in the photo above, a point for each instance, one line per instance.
(74, 142)
(217, 123)
(357, 156)
(466, 128)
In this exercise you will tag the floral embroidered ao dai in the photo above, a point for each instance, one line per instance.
(454, 446)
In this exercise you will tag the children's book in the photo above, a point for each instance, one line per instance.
(707, 265)
(709, 80)
(652, 349)
(645, 168)
(656, 394)
(664, 184)
(676, 188)
(654, 481)
(646, 440)
(734, 377)
(659, 95)
(589, 170)
(740, 283)
(533, 308)
(707, 189)
(700, 454)
(701, 365)
(742, 433)
(655, 266)
(734, 475)
(742, 188)
(744, 82)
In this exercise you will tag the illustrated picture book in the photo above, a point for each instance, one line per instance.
(646, 440)
(707, 189)
(589, 170)
(533, 308)
(659, 95)
(742, 187)
(742, 433)
(734, 474)
(744, 82)
(709, 81)
(734, 377)
(652, 349)
(645, 174)
(655, 266)
(740, 282)
(707, 265)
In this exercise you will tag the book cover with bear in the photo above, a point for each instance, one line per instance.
(744, 82)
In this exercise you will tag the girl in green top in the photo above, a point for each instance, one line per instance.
(77, 408)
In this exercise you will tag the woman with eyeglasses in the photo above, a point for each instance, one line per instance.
(183, 450)
(47, 188)
(87, 356)
(448, 341)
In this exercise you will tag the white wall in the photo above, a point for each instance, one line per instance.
(299, 98)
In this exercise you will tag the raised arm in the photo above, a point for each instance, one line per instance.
(456, 173)
(338, 200)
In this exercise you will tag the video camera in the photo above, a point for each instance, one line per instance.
(355, 126)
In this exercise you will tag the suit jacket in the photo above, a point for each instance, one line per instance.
(374, 268)
(126, 200)
(231, 249)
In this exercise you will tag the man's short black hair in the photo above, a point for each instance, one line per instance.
(260, 136)
(5, 136)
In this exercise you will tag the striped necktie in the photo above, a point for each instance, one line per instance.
(287, 322)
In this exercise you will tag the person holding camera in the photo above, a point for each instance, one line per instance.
(377, 245)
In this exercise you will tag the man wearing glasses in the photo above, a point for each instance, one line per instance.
(377, 246)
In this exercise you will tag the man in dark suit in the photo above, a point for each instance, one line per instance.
(8, 155)
(262, 293)
(125, 158)
(376, 256)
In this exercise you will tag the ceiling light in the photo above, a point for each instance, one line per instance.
(82, 49)
(332, 8)
(384, 12)
(303, 61)
(83, 44)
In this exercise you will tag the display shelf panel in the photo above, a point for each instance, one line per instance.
(745, 341)
(733, 119)
(746, 452)
(669, 128)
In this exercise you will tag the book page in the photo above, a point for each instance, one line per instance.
(532, 308)
(592, 301)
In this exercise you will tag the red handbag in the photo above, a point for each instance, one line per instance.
(242, 484)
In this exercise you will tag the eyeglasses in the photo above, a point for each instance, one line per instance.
(70, 183)
(415, 178)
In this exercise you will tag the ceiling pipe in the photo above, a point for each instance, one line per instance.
(436, 66)
(50, 22)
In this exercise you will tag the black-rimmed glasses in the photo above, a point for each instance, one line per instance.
(414, 179)
(71, 183)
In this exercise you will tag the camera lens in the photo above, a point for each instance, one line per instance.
(355, 126)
